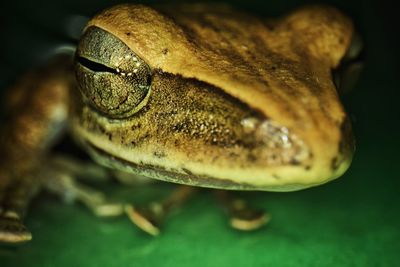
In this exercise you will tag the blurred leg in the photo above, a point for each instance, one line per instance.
(150, 217)
(241, 215)
(14, 200)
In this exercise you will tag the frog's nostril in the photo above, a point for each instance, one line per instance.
(346, 146)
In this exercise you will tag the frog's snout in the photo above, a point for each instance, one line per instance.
(295, 160)
(331, 156)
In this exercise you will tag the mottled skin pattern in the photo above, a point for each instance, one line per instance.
(270, 82)
(198, 123)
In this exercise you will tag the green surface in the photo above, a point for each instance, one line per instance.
(353, 221)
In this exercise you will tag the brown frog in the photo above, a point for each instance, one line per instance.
(197, 95)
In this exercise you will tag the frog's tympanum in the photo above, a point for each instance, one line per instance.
(198, 95)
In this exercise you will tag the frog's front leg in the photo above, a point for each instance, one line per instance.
(58, 176)
(36, 115)
(36, 112)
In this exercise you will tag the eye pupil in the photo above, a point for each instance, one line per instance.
(94, 66)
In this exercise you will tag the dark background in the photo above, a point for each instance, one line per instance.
(353, 221)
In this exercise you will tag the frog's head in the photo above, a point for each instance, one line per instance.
(215, 98)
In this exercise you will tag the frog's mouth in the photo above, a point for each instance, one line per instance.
(182, 176)
(160, 173)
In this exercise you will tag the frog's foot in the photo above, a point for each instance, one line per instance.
(150, 217)
(242, 216)
(14, 200)
(12, 230)
(64, 184)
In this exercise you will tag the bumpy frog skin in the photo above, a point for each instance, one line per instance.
(233, 101)
(193, 94)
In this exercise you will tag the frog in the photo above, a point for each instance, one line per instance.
(200, 95)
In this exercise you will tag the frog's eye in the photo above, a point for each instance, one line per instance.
(350, 67)
(111, 77)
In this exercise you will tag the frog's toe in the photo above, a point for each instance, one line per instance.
(144, 218)
(241, 215)
(249, 220)
(107, 209)
(150, 217)
(12, 230)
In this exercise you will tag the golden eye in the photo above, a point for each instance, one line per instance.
(111, 77)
